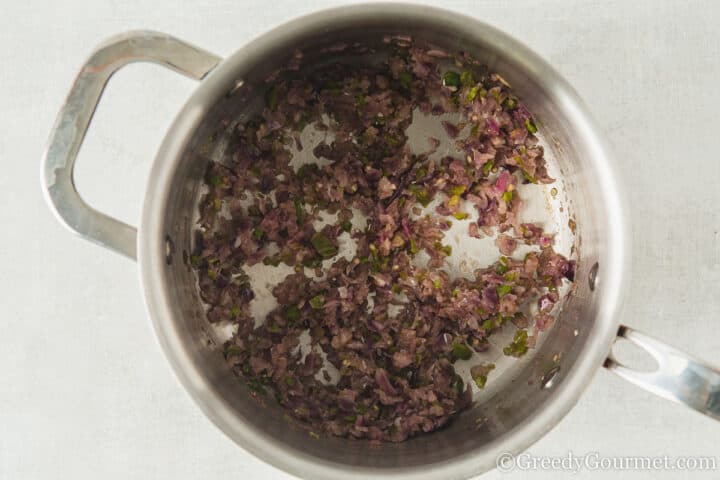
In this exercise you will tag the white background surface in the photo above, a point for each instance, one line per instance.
(84, 389)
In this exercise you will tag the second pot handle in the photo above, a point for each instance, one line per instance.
(74, 118)
(678, 376)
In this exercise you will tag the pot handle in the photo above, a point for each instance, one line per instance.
(74, 118)
(678, 376)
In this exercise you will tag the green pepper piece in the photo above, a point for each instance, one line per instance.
(256, 387)
(446, 249)
(233, 351)
(271, 98)
(518, 347)
(451, 79)
(273, 261)
(481, 373)
(216, 180)
(457, 190)
(461, 351)
(526, 174)
(323, 245)
(502, 265)
(472, 94)
(421, 194)
(530, 125)
(298, 211)
(503, 290)
(413, 247)
(291, 313)
(467, 78)
(488, 167)
(317, 302)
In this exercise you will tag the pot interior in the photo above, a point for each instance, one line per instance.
(520, 388)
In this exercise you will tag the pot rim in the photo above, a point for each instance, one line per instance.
(151, 256)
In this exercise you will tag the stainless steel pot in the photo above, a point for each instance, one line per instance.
(532, 399)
